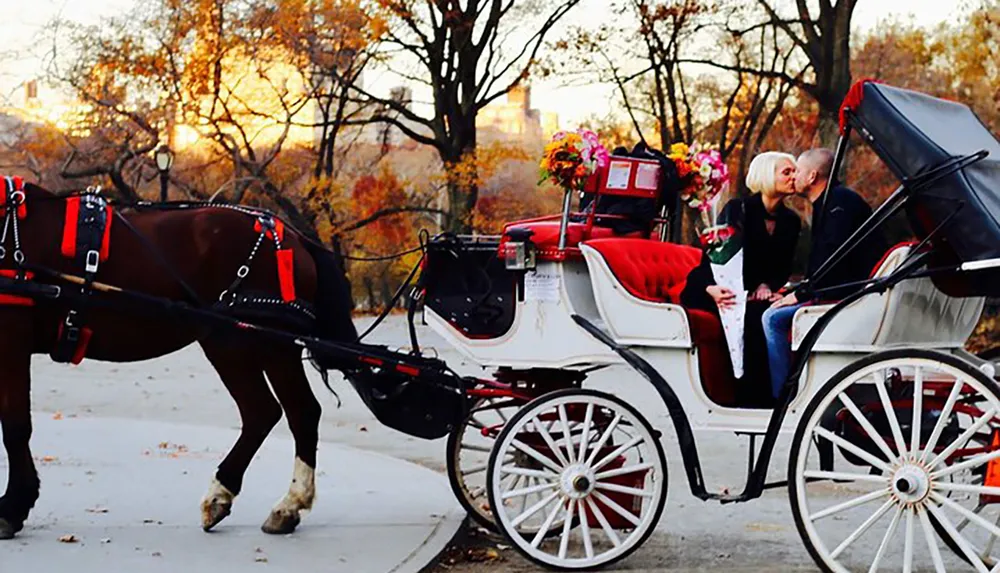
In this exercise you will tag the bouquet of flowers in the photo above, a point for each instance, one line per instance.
(702, 172)
(720, 243)
(571, 158)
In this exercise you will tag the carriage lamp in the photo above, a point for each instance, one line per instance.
(519, 253)
(520, 256)
(164, 161)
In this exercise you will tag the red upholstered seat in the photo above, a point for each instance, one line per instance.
(649, 270)
(657, 272)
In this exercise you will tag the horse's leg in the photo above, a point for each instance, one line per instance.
(303, 411)
(259, 412)
(15, 418)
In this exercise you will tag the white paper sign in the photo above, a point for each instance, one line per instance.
(647, 176)
(618, 174)
(730, 275)
(543, 287)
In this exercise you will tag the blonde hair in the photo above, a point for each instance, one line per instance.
(760, 174)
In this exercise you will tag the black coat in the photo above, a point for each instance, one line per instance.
(767, 257)
(832, 225)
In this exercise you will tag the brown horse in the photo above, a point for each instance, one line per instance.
(177, 254)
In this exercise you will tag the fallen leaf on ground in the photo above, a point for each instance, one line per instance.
(479, 554)
(68, 539)
(106, 540)
(157, 554)
(97, 510)
(260, 559)
(57, 416)
(764, 527)
(49, 459)
(362, 429)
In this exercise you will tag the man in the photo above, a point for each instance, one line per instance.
(832, 224)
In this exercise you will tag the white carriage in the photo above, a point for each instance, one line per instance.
(577, 478)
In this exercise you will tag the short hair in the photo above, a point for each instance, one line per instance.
(820, 159)
(760, 174)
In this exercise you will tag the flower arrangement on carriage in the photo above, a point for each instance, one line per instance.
(571, 158)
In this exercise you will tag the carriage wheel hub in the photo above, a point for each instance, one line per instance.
(577, 481)
(910, 484)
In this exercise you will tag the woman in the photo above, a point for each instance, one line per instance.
(769, 232)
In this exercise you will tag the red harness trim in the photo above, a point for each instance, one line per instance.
(81, 346)
(285, 260)
(69, 230)
(22, 209)
(14, 300)
(286, 273)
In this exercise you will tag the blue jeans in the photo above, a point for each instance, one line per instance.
(777, 326)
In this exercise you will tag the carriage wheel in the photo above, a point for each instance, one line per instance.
(468, 453)
(600, 468)
(914, 436)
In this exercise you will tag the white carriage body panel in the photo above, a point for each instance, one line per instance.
(543, 333)
(632, 321)
(914, 313)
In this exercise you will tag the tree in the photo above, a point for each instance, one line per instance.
(466, 56)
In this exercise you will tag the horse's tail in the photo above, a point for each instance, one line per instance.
(333, 304)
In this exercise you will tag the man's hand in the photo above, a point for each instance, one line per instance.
(723, 297)
(787, 300)
(763, 292)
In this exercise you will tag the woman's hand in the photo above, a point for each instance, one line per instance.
(763, 292)
(723, 297)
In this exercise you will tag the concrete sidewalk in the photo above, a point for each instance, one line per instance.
(129, 493)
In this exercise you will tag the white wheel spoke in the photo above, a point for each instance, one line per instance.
(890, 414)
(942, 420)
(588, 543)
(908, 543)
(917, 416)
(567, 526)
(475, 448)
(534, 509)
(845, 476)
(528, 472)
(474, 470)
(636, 440)
(540, 534)
(477, 492)
(624, 470)
(968, 488)
(588, 419)
(612, 536)
(623, 489)
(570, 450)
(925, 524)
(525, 491)
(617, 508)
(872, 432)
(604, 439)
(535, 455)
(880, 464)
(888, 534)
(852, 503)
(542, 431)
(973, 517)
(862, 529)
(979, 423)
(946, 524)
(976, 461)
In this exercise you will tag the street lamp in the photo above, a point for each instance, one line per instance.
(164, 161)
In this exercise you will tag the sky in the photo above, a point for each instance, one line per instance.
(24, 18)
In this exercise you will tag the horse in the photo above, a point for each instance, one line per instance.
(189, 253)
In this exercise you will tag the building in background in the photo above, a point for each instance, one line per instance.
(515, 119)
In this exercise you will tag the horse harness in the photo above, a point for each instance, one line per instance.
(86, 240)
